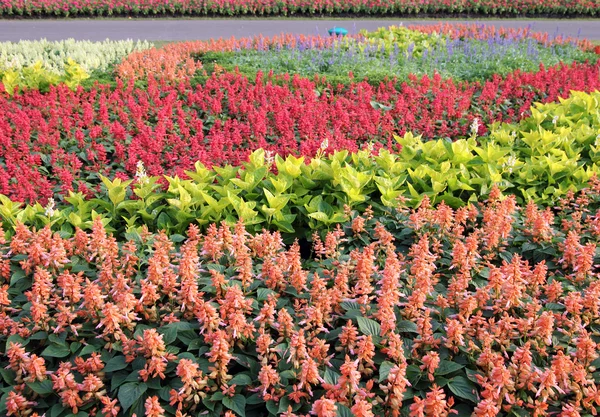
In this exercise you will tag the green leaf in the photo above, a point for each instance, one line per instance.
(406, 326)
(169, 333)
(236, 404)
(343, 411)
(116, 364)
(131, 392)
(368, 327)
(447, 367)
(350, 305)
(56, 351)
(241, 380)
(284, 403)
(331, 377)
(177, 238)
(88, 349)
(41, 387)
(463, 388)
(8, 375)
(79, 414)
(16, 277)
(263, 293)
(554, 306)
(272, 407)
(57, 410)
(384, 370)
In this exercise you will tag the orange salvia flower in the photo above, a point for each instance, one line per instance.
(324, 408)
(153, 408)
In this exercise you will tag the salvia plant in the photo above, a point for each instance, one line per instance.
(491, 309)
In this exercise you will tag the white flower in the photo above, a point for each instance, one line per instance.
(554, 120)
(140, 172)
(475, 126)
(49, 209)
(324, 145)
(511, 161)
(269, 157)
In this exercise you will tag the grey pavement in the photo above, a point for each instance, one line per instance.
(189, 29)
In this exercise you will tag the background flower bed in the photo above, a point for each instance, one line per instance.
(398, 52)
(174, 61)
(492, 307)
(54, 8)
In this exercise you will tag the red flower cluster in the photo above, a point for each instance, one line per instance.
(291, 7)
(56, 142)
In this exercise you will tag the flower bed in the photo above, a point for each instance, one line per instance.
(173, 61)
(56, 8)
(376, 270)
(541, 159)
(376, 60)
(56, 142)
(422, 313)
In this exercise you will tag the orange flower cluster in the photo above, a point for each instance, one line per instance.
(486, 310)
(174, 61)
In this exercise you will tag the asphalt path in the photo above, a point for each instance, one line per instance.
(189, 29)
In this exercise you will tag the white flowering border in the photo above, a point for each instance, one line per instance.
(53, 54)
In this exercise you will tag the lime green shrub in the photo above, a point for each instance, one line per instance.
(555, 149)
(37, 77)
(404, 39)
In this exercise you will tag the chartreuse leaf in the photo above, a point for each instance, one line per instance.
(117, 189)
(277, 202)
(290, 166)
